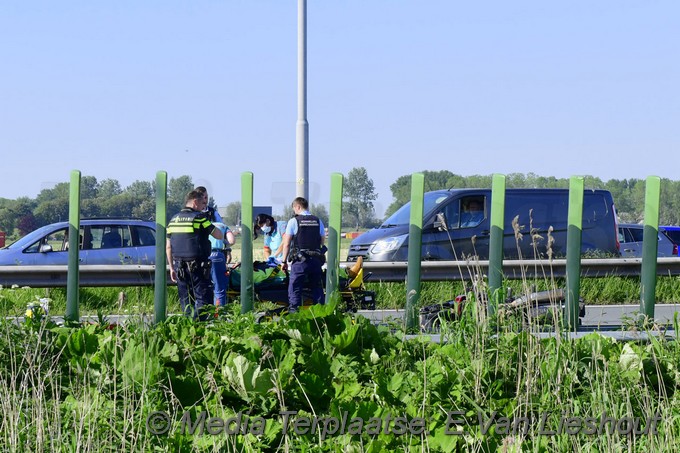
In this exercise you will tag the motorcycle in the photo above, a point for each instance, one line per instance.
(537, 308)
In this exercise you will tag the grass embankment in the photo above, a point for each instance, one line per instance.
(139, 300)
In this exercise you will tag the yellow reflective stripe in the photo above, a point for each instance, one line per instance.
(198, 223)
(180, 229)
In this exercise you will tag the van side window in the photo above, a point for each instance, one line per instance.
(472, 211)
(451, 211)
(594, 207)
(546, 211)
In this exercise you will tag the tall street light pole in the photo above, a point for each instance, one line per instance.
(302, 126)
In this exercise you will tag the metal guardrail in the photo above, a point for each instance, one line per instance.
(516, 269)
(143, 275)
(90, 275)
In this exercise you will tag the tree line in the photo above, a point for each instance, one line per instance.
(107, 198)
(104, 198)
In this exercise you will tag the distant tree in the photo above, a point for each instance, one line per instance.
(52, 211)
(88, 187)
(26, 224)
(434, 180)
(7, 217)
(60, 190)
(140, 189)
(321, 212)
(178, 188)
(145, 208)
(232, 213)
(108, 188)
(288, 213)
(476, 181)
(358, 197)
(93, 207)
(23, 206)
(120, 205)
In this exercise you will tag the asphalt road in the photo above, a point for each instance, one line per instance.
(597, 316)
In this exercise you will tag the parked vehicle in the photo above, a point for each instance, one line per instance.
(673, 233)
(102, 241)
(630, 238)
(450, 222)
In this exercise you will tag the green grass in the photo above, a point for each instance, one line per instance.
(140, 300)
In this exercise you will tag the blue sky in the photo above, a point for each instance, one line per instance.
(209, 88)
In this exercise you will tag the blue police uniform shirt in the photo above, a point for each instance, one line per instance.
(218, 243)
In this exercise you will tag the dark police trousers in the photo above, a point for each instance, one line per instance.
(302, 273)
(194, 286)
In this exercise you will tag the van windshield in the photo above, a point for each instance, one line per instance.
(402, 216)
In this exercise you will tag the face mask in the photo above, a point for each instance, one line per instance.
(266, 229)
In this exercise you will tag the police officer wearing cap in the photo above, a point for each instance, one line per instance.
(304, 249)
(188, 249)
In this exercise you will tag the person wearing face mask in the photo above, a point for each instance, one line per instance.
(273, 236)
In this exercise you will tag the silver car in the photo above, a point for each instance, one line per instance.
(630, 238)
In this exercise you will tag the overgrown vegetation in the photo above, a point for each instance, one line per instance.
(112, 388)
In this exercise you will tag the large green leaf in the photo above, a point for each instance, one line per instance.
(247, 378)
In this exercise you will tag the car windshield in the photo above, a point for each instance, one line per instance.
(402, 216)
(30, 237)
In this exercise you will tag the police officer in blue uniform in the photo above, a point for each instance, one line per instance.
(220, 253)
(304, 249)
(188, 249)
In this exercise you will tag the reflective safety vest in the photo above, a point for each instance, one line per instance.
(308, 237)
(188, 231)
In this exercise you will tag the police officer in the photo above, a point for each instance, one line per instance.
(188, 250)
(218, 263)
(302, 245)
(220, 253)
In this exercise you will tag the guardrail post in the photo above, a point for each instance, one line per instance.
(575, 221)
(161, 274)
(415, 242)
(496, 242)
(246, 242)
(650, 246)
(73, 280)
(334, 226)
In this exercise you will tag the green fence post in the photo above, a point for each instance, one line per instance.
(73, 279)
(334, 226)
(650, 245)
(496, 242)
(575, 219)
(246, 242)
(415, 242)
(161, 274)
